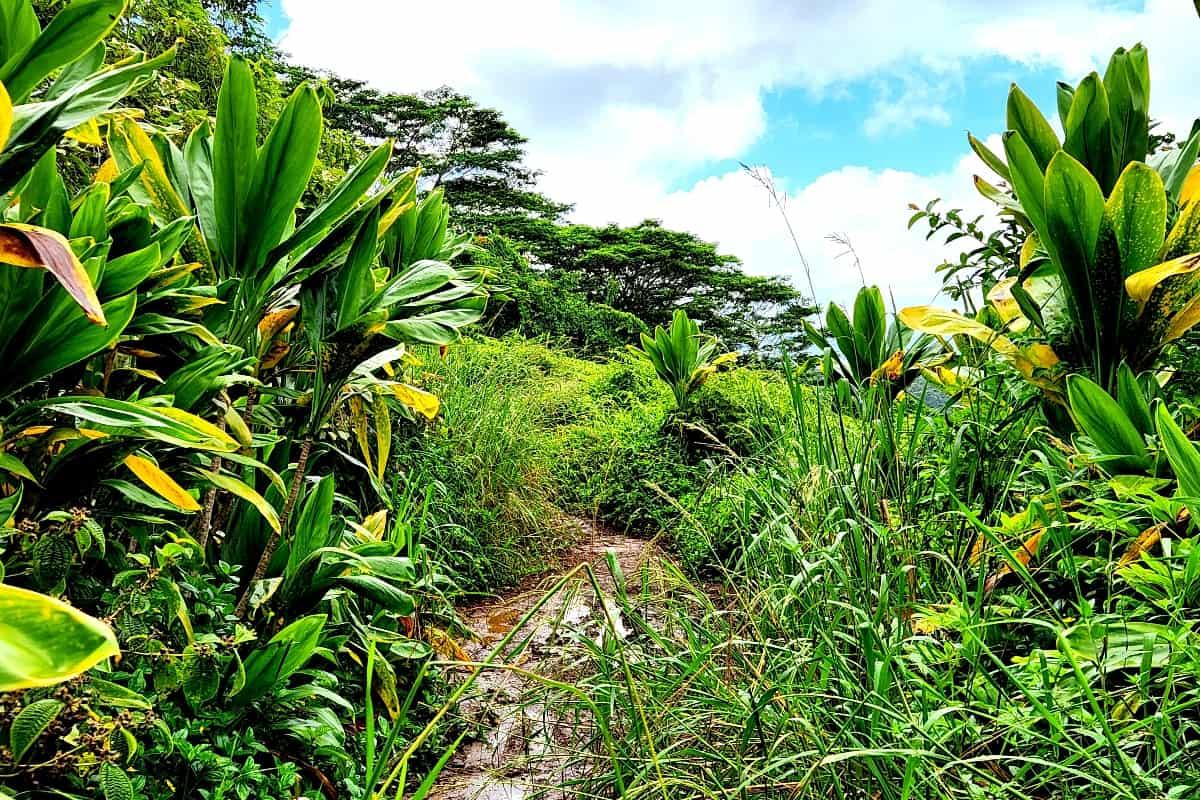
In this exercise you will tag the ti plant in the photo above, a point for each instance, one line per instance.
(1109, 270)
(682, 357)
(863, 349)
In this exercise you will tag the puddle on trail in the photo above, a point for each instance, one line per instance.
(524, 748)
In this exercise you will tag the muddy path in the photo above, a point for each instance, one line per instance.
(521, 746)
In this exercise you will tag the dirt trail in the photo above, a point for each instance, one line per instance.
(523, 748)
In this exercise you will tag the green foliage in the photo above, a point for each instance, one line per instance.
(218, 437)
(44, 641)
(649, 271)
(550, 304)
(682, 358)
(1096, 218)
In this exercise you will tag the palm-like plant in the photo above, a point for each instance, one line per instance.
(682, 357)
(1109, 271)
(864, 349)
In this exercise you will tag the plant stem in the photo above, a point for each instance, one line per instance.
(204, 526)
(264, 561)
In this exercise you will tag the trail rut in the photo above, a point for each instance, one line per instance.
(523, 748)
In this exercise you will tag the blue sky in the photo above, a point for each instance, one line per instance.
(855, 109)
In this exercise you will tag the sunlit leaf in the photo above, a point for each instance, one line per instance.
(161, 483)
(41, 248)
(419, 400)
(44, 641)
(245, 492)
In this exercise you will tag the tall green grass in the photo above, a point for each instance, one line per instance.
(849, 649)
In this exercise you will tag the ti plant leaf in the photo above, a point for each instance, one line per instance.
(44, 641)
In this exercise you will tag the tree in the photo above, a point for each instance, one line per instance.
(650, 271)
(478, 160)
(469, 151)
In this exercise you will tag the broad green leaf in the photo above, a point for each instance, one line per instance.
(73, 32)
(313, 524)
(8, 510)
(30, 724)
(1181, 453)
(116, 695)
(1074, 214)
(141, 420)
(353, 280)
(1137, 213)
(1133, 400)
(114, 783)
(44, 641)
(288, 651)
(18, 27)
(1028, 180)
(1088, 132)
(1127, 84)
(1104, 421)
(994, 162)
(38, 127)
(1027, 121)
(379, 591)
(56, 336)
(245, 492)
(1064, 95)
(284, 166)
(11, 464)
(234, 158)
(341, 200)
(870, 323)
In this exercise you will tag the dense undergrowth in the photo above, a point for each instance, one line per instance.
(250, 465)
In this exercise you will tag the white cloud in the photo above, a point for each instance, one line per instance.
(868, 208)
(623, 99)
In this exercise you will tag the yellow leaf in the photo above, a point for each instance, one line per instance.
(88, 133)
(273, 322)
(1140, 285)
(153, 177)
(220, 440)
(1001, 298)
(107, 173)
(940, 322)
(891, 369)
(237, 426)
(6, 116)
(1029, 249)
(1190, 193)
(41, 248)
(376, 524)
(383, 434)
(419, 400)
(161, 483)
(1023, 557)
(33, 430)
(1147, 539)
(274, 355)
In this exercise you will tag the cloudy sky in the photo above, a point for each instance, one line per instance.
(643, 108)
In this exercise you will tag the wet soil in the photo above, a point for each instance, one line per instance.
(523, 747)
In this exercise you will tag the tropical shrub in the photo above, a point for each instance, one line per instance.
(682, 358)
(1107, 266)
